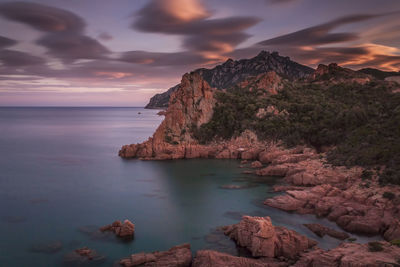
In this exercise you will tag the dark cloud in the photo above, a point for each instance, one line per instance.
(320, 34)
(276, 2)
(105, 36)
(201, 34)
(12, 58)
(6, 42)
(72, 46)
(64, 36)
(41, 17)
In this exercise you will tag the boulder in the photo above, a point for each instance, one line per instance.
(256, 164)
(321, 231)
(262, 239)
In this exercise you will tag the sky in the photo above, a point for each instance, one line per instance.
(122, 52)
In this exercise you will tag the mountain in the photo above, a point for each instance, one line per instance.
(379, 74)
(160, 101)
(232, 72)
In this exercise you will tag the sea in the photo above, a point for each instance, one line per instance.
(61, 179)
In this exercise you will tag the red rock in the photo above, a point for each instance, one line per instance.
(393, 232)
(123, 230)
(351, 254)
(263, 239)
(321, 231)
(256, 164)
(210, 258)
(83, 257)
(179, 256)
(285, 202)
(279, 170)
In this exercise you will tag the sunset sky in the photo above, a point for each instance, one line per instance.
(121, 52)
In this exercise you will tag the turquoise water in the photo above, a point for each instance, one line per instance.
(61, 179)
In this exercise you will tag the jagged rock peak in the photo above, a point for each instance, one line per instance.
(231, 72)
(334, 73)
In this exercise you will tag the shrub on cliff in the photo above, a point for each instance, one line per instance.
(362, 122)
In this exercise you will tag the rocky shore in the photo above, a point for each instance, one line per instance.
(271, 246)
(310, 185)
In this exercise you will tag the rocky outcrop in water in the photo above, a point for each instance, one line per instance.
(262, 239)
(124, 230)
(179, 256)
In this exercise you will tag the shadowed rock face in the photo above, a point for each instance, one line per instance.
(232, 72)
(161, 100)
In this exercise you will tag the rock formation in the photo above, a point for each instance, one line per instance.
(210, 258)
(336, 193)
(123, 230)
(233, 72)
(262, 239)
(160, 101)
(321, 231)
(179, 256)
(349, 254)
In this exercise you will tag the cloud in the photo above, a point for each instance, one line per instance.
(320, 34)
(64, 36)
(105, 36)
(6, 42)
(41, 17)
(201, 34)
(12, 58)
(162, 59)
(70, 47)
(276, 2)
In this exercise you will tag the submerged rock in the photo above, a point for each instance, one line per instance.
(124, 230)
(178, 256)
(47, 248)
(83, 257)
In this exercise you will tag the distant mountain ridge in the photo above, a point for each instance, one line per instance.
(232, 72)
(379, 74)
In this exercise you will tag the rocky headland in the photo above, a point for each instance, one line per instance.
(356, 191)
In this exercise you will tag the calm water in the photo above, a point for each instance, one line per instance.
(61, 178)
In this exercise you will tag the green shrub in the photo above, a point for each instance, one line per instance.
(389, 195)
(360, 121)
(375, 246)
(395, 242)
(366, 175)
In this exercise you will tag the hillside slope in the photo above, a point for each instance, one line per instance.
(231, 72)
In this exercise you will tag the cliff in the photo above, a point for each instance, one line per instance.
(231, 72)
(160, 101)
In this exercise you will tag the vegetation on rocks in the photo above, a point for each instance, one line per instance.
(359, 121)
